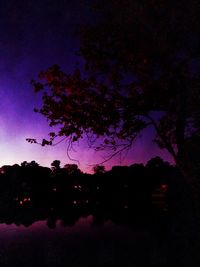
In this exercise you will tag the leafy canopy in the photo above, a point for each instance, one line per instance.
(141, 61)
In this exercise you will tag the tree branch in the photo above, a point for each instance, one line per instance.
(167, 144)
(125, 147)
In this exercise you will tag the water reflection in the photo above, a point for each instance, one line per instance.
(26, 209)
(78, 229)
(84, 244)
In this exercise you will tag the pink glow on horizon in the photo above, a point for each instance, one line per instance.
(15, 151)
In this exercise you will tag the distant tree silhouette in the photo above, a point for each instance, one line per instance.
(24, 163)
(158, 170)
(72, 169)
(55, 165)
(99, 169)
(32, 164)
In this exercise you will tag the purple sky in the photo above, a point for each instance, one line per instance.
(34, 36)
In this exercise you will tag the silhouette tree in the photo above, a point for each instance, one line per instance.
(55, 165)
(32, 164)
(24, 163)
(140, 62)
(158, 170)
(72, 169)
(99, 169)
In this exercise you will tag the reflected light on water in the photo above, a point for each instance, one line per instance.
(86, 242)
(42, 226)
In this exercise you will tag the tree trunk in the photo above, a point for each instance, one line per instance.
(184, 235)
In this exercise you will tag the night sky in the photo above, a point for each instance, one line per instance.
(33, 36)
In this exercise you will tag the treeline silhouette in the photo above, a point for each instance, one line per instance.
(134, 195)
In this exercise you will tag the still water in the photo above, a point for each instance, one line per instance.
(85, 243)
